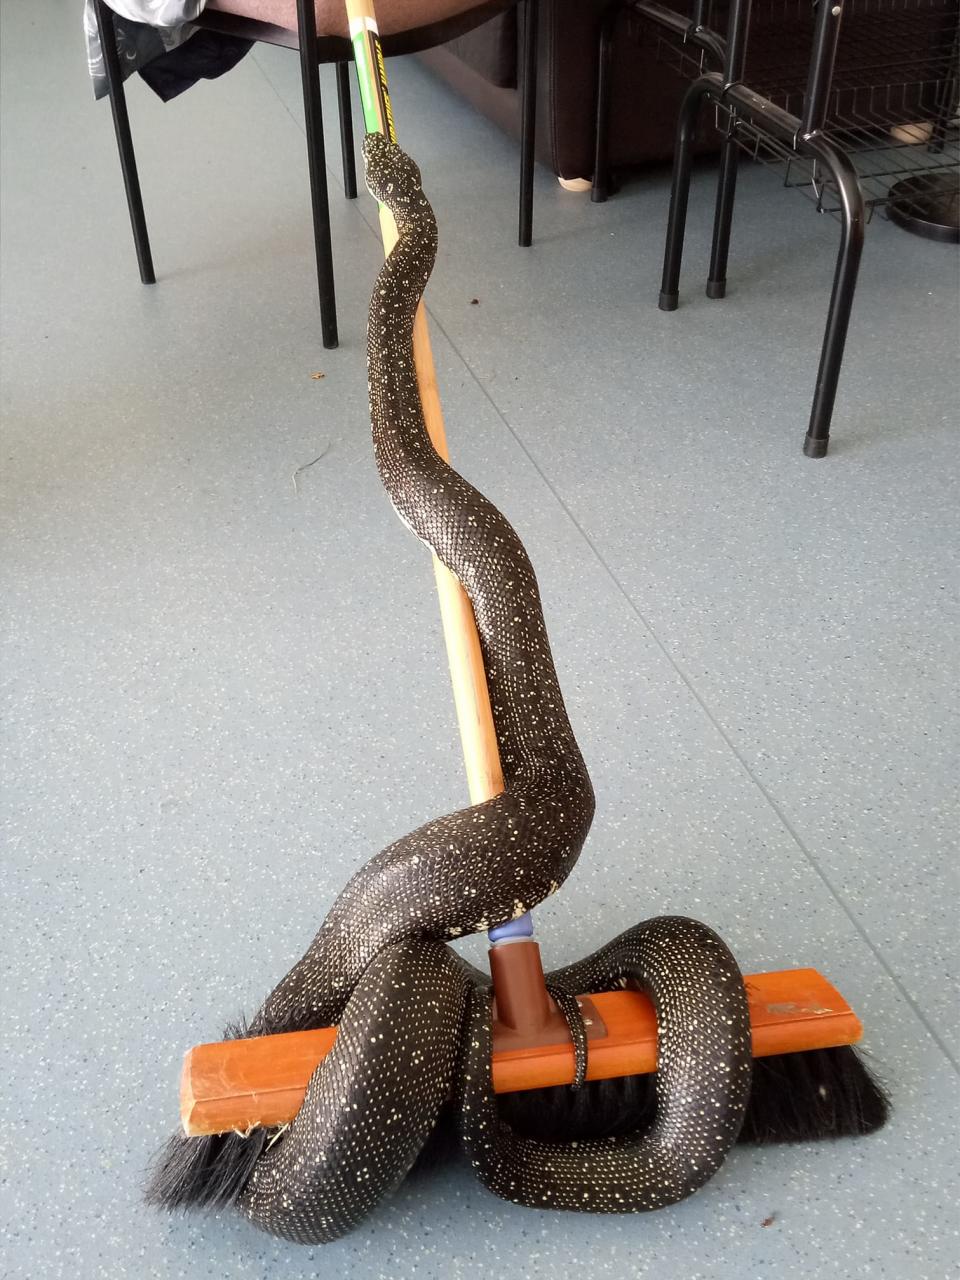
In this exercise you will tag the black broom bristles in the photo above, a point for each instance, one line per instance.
(598, 1109)
(794, 1097)
(210, 1172)
(822, 1093)
(204, 1173)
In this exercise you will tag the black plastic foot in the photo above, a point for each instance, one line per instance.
(669, 301)
(598, 195)
(716, 288)
(816, 446)
(928, 204)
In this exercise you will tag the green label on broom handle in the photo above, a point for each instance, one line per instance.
(372, 74)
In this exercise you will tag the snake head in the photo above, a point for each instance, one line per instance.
(389, 171)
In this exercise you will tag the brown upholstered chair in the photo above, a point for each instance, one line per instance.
(318, 30)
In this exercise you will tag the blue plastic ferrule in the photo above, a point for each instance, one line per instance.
(522, 927)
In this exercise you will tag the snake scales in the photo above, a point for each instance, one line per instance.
(415, 1020)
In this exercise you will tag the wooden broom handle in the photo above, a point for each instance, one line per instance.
(477, 735)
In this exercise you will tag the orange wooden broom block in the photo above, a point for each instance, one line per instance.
(242, 1084)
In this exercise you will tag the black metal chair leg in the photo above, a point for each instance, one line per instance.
(121, 125)
(346, 131)
(316, 158)
(680, 187)
(528, 127)
(601, 160)
(841, 299)
(723, 218)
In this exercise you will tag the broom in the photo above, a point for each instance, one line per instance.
(808, 1080)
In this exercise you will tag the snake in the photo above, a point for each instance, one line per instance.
(415, 1019)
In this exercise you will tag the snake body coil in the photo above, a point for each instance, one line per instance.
(415, 1021)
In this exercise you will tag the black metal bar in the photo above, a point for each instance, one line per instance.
(121, 126)
(723, 217)
(841, 298)
(346, 131)
(528, 121)
(738, 33)
(316, 158)
(691, 31)
(601, 161)
(678, 23)
(713, 45)
(766, 115)
(820, 77)
(710, 83)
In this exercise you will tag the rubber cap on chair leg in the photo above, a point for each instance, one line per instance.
(669, 301)
(815, 446)
(716, 288)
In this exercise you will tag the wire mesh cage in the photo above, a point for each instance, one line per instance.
(892, 103)
(855, 101)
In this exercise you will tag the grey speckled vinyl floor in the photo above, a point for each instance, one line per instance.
(226, 687)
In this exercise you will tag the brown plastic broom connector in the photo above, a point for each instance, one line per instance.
(524, 1013)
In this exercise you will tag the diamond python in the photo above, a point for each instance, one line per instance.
(415, 1019)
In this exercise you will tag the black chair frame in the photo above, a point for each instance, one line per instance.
(313, 51)
(803, 135)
